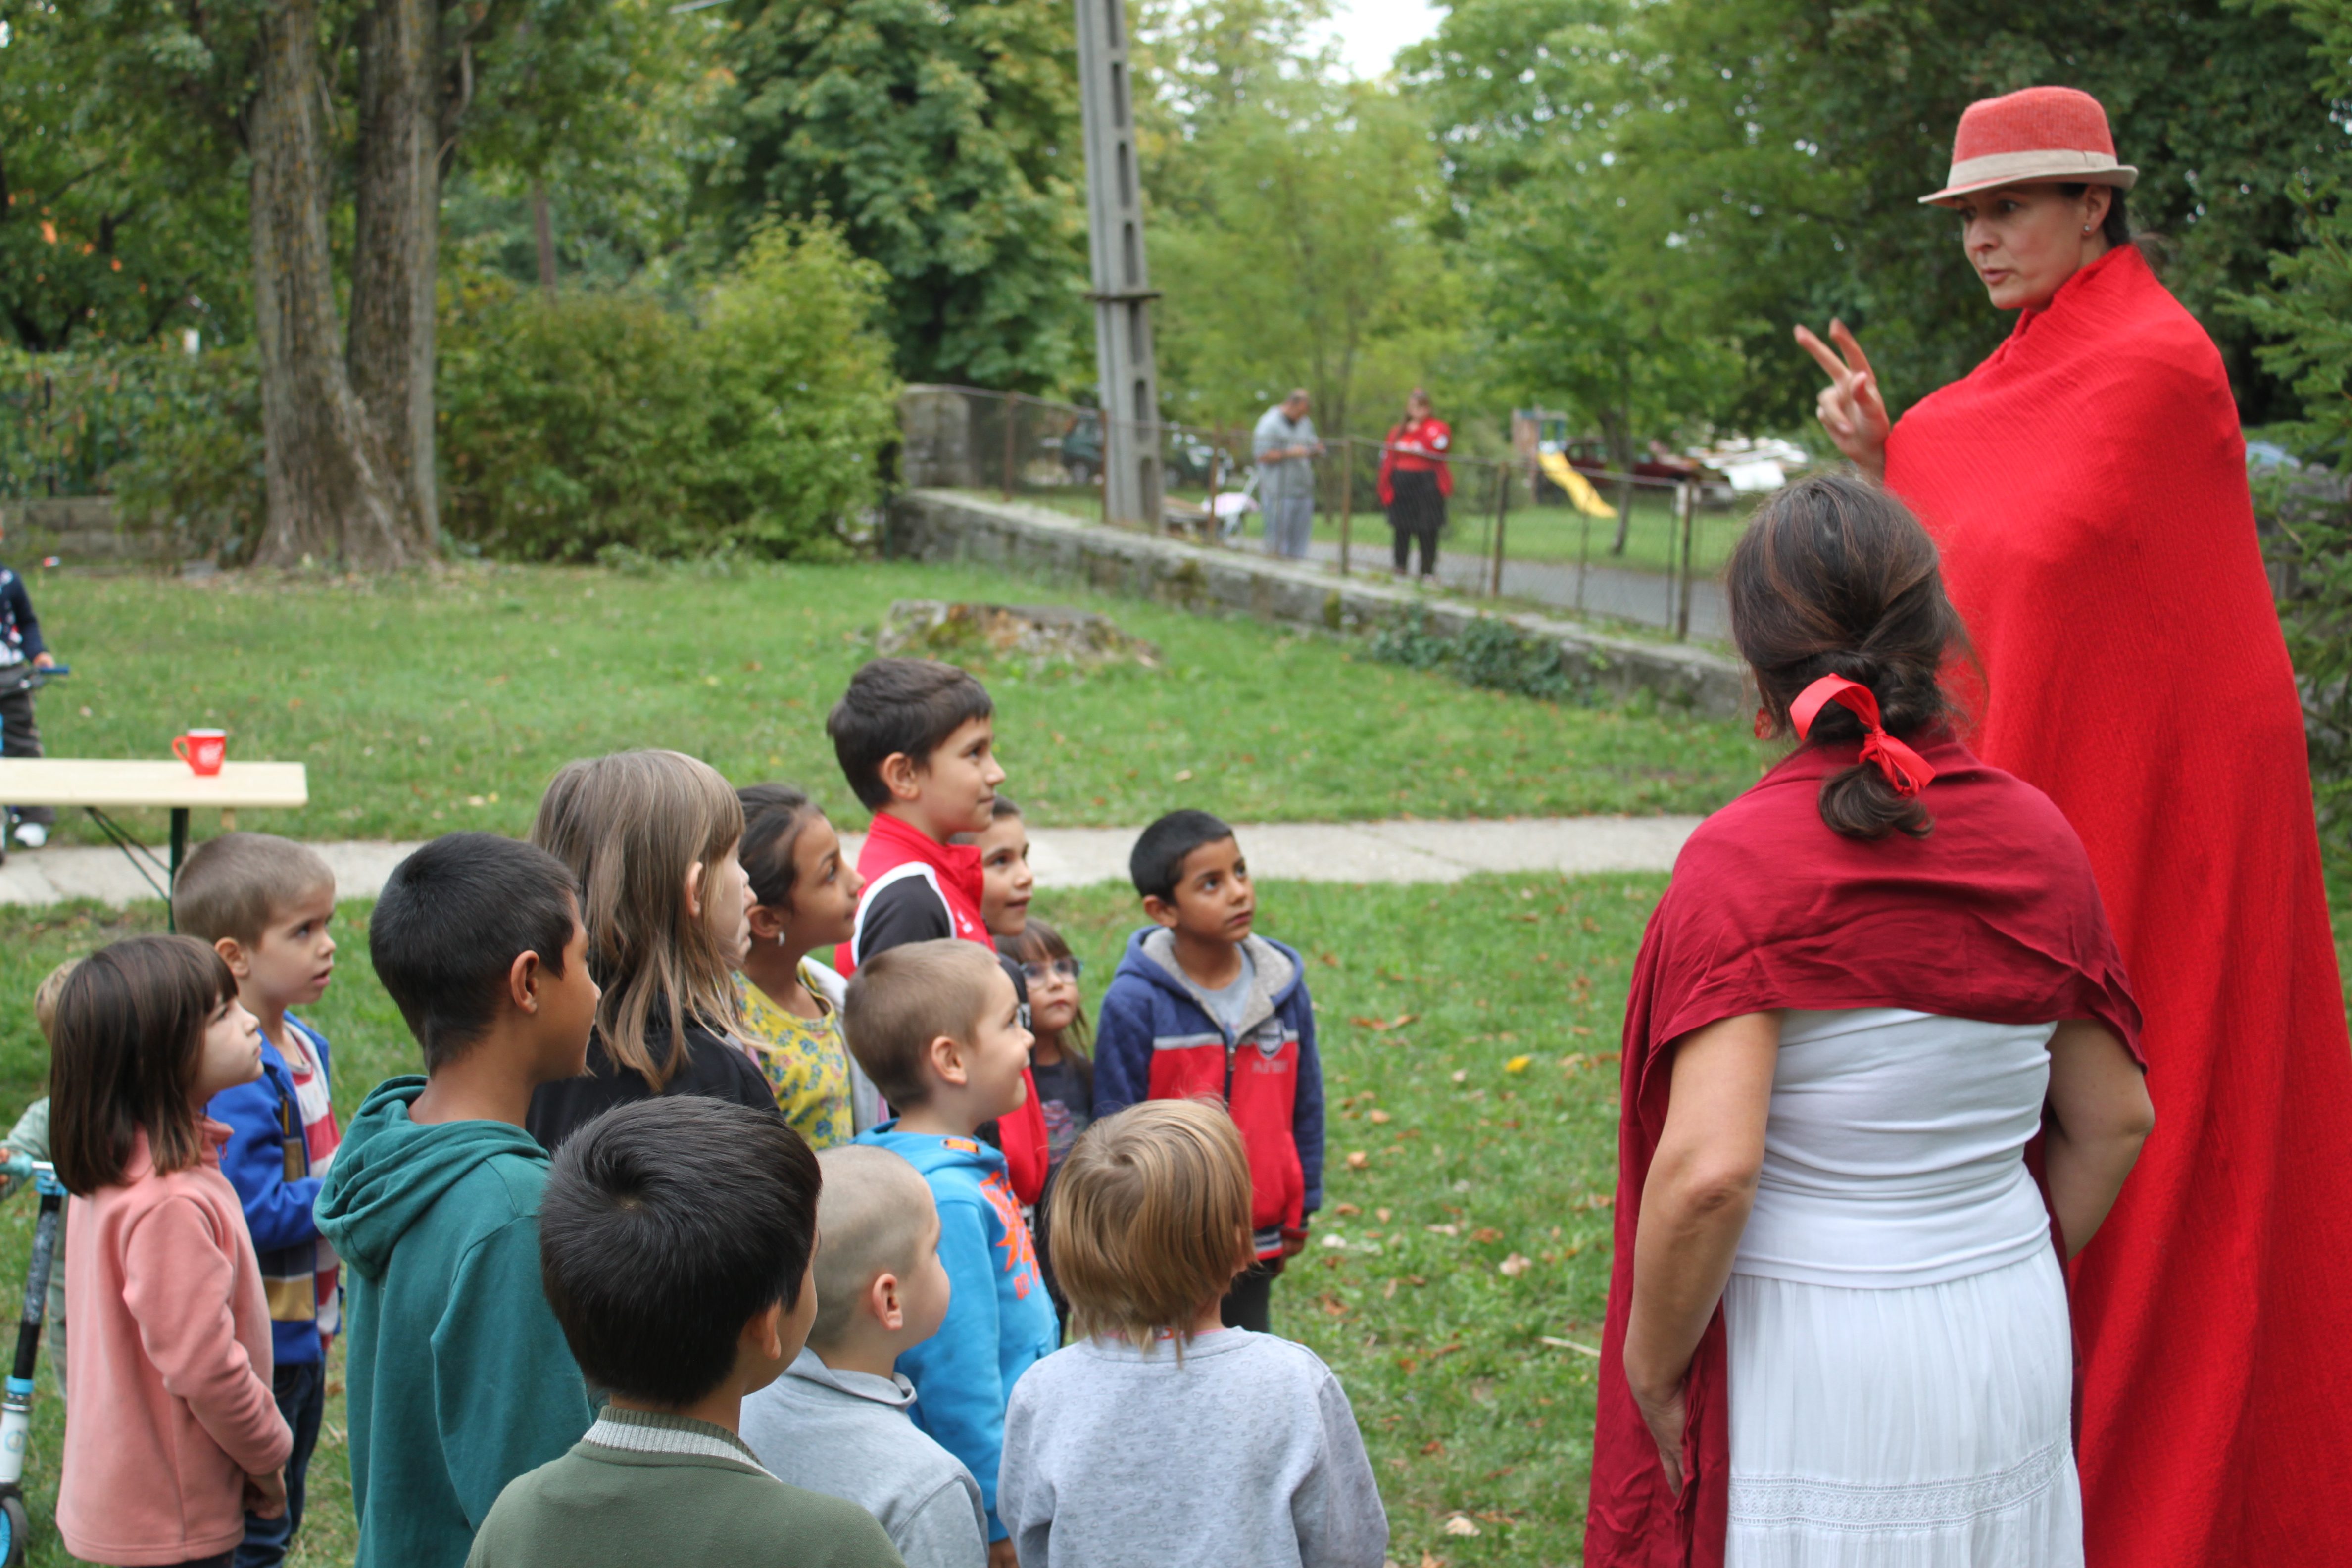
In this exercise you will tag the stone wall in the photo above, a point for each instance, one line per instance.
(933, 525)
(81, 530)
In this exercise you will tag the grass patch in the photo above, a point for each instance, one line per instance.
(1463, 1407)
(424, 704)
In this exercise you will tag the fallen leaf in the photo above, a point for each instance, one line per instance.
(1517, 1063)
(1461, 1075)
(1351, 1209)
(1388, 1290)
(1329, 960)
(1430, 1560)
(1568, 1345)
(1443, 1229)
(1382, 1215)
(1184, 775)
(1358, 1159)
(1378, 1117)
(1335, 1306)
(1433, 1445)
(1405, 1365)
(1513, 1265)
(1461, 1524)
(1415, 1280)
(1485, 1233)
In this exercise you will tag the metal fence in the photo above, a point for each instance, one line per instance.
(1535, 527)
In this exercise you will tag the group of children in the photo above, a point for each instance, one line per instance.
(688, 1245)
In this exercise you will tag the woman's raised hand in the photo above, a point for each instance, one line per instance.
(1850, 408)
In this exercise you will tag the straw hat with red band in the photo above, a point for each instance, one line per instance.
(2040, 133)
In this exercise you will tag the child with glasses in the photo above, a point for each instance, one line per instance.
(1059, 1064)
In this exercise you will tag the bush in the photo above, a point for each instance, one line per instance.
(1489, 652)
(572, 427)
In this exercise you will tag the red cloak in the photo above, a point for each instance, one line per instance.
(1994, 916)
(2088, 486)
(1431, 435)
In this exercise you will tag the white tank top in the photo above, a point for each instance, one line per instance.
(1894, 1155)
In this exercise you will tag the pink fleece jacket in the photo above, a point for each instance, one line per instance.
(170, 1373)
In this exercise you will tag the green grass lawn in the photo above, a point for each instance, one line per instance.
(423, 704)
(1426, 997)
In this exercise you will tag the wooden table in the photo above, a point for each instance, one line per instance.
(98, 785)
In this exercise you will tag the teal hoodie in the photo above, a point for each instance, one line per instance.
(459, 1377)
(1000, 1322)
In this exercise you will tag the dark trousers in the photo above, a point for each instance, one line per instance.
(302, 1391)
(1251, 1300)
(20, 736)
(1417, 512)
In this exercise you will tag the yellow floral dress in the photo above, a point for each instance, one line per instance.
(804, 1060)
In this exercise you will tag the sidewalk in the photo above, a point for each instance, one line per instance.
(1065, 857)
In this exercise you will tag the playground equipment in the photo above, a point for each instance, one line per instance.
(1578, 489)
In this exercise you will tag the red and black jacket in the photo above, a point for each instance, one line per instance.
(919, 890)
(1155, 1038)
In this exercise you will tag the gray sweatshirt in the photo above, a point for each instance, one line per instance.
(1245, 1456)
(847, 1434)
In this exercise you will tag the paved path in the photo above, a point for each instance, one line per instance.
(1068, 856)
(1638, 597)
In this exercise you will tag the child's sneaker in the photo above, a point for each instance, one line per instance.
(32, 835)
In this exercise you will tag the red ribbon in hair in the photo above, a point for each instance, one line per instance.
(1906, 769)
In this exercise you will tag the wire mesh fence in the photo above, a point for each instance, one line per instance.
(1547, 527)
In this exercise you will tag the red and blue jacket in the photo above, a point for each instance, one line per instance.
(267, 1161)
(1155, 1038)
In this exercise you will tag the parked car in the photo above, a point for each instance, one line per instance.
(1079, 447)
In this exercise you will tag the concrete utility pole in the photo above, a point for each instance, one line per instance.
(1123, 291)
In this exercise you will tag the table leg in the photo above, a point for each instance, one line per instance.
(179, 853)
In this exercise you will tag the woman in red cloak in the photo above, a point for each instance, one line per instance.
(2087, 486)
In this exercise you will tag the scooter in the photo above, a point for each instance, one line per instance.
(16, 1404)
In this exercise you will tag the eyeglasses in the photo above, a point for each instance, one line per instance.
(1038, 973)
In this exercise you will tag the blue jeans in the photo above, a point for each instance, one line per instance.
(302, 1391)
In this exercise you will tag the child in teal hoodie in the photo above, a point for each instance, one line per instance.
(937, 1026)
(459, 1376)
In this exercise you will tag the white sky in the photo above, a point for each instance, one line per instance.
(1370, 32)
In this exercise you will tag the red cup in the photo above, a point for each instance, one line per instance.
(202, 749)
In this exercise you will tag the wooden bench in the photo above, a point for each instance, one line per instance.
(99, 785)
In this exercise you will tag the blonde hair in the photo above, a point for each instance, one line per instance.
(902, 999)
(46, 995)
(871, 1214)
(234, 886)
(1151, 1218)
(630, 825)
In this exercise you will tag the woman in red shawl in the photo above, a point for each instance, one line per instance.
(1837, 1330)
(1416, 479)
(2087, 486)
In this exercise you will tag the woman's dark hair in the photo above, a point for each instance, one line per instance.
(2115, 228)
(130, 1027)
(1039, 942)
(773, 816)
(1834, 576)
(666, 1227)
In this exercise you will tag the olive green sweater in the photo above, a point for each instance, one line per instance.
(647, 1489)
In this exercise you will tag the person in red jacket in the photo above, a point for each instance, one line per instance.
(916, 740)
(1416, 479)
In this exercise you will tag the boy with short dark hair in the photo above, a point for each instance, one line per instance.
(678, 1238)
(265, 903)
(1202, 1006)
(937, 1026)
(836, 1421)
(460, 1379)
(917, 741)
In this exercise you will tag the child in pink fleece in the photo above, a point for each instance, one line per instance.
(171, 1332)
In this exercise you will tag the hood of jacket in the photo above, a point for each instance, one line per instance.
(390, 1170)
(1279, 972)
(929, 1151)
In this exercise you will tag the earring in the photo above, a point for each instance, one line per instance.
(2086, 228)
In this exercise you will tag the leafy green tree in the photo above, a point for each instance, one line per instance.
(942, 136)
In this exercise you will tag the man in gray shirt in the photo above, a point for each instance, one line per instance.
(1285, 447)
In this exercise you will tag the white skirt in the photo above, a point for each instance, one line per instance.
(1925, 1427)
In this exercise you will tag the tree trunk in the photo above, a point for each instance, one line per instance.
(330, 497)
(542, 225)
(396, 252)
(1617, 436)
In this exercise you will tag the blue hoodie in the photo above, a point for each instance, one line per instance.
(267, 1161)
(459, 1377)
(999, 1320)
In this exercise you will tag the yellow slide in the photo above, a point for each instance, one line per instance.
(1580, 489)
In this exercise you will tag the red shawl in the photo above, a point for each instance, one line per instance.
(2088, 486)
(1993, 916)
(1431, 433)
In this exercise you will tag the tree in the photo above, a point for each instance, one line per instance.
(942, 136)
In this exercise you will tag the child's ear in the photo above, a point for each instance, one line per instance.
(946, 1054)
(1160, 911)
(232, 954)
(882, 1300)
(694, 890)
(522, 981)
(768, 922)
(901, 775)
